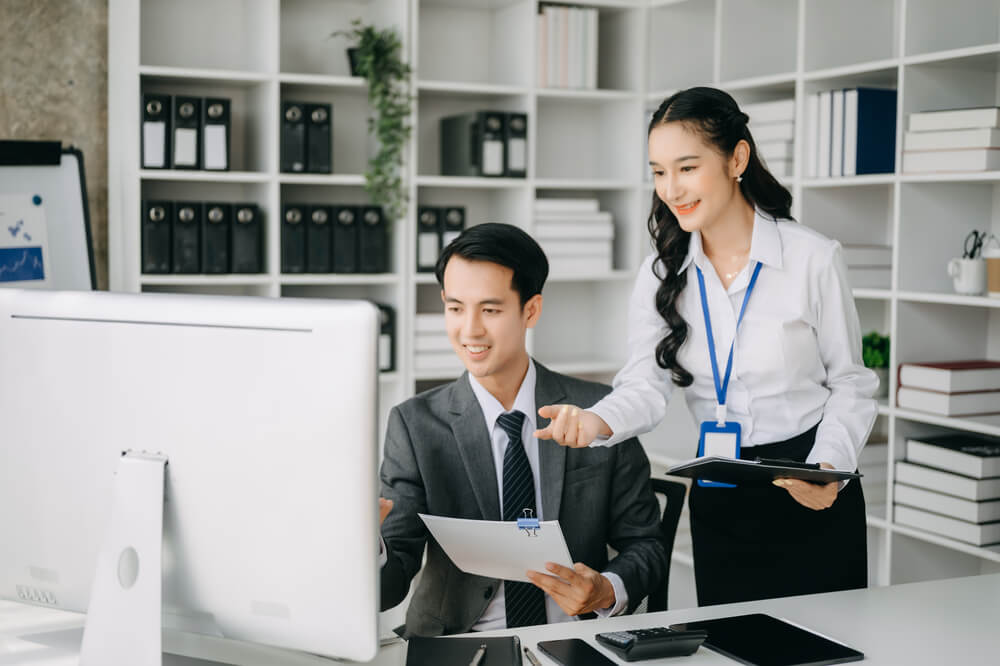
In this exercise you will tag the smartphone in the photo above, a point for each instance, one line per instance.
(574, 652)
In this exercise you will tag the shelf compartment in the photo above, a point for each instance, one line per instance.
(937, 218)
(476, 42)
(482, 204)
(742, 23)
(966, 23)
(251, 120)
(849, 32)
(306, 44)
(349, 124)
(679, 54)
(433, 106)
(226, 35)
(627, 215)
(608, 125)
(860, 215)
(599, 346)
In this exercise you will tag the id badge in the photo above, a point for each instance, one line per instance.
(719, 440)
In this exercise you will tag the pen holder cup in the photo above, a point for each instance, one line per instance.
(969, 275)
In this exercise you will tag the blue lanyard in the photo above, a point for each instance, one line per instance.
(722, 387)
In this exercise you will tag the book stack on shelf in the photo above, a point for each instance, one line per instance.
(873, 463)
(773, 127)
(577, 237)
(851, 132)
(868, 266)
(567, 47)
(950, 485)
(952, 388)
(432, 349)
(953, 140)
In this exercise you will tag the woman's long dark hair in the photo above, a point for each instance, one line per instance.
(715, 116)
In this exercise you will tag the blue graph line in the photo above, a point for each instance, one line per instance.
(19, 264)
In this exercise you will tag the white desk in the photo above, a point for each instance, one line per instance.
(954, 621)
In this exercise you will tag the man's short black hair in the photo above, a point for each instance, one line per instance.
(502, 244)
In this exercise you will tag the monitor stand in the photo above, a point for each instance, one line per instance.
(124, 615)
(125, 623)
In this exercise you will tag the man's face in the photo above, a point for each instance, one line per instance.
(484, 318)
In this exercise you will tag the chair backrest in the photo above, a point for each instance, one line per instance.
(674, 491)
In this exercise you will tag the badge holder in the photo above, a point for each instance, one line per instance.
(719, 438)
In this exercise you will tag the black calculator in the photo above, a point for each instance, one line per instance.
(653, 643)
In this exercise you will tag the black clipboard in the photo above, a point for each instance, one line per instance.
(756, 472)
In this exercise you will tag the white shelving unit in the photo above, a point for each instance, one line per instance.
(480, 54)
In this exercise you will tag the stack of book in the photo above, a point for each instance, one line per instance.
(577, 237)
(567, 47)
(950, 485)
(772, 125)
(850, 132)
(952, 388)
(953, 140)
(432, 349)
(868, 266)
(873, 463)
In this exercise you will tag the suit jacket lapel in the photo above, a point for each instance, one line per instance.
(551, 456)
(474, 447)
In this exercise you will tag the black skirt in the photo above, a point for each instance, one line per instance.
(759, 543)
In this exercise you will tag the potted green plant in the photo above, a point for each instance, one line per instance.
(875, 354)
(377, 56)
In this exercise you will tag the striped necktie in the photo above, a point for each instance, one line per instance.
(525, 602)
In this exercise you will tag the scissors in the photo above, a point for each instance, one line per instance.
(974, 244)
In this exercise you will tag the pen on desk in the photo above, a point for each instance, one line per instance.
(532, 659)
(478, 657)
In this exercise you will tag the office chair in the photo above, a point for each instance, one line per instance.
(674, 491)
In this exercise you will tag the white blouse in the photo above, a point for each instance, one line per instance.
(796, 359)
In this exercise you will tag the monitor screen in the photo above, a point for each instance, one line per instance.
(265, 410)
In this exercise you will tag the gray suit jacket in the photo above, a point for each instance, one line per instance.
(438, 460)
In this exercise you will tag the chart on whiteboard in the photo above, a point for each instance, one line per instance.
(24, 253)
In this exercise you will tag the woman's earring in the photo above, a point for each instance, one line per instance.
(739, 179)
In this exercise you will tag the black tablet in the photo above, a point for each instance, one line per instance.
(762, 640)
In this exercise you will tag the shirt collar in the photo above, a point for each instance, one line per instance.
(524, 402)
(765, 244)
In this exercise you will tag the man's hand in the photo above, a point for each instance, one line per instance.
(578, 590)
(811, 495)
(384, 507)
(571, 426)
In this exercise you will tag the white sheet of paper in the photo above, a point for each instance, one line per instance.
(153, 134)
(185, 147)
(215, 147)
(498, 549)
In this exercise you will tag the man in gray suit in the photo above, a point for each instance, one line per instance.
(467, 450)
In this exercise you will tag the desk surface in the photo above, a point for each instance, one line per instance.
(933, 623)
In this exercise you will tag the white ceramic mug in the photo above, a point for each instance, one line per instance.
(968, 275)
(992, 257)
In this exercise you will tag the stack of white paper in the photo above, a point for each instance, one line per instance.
(772, 125)
(432, 349)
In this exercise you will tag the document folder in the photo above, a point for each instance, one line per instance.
(755, 472)
(447, 651)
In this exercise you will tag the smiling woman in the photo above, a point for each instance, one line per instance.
(788, 359)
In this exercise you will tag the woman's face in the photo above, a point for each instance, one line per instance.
(690, 176)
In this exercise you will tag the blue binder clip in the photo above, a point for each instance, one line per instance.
(529, 524)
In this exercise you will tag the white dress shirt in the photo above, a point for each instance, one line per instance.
(797, 354)
(495, 615)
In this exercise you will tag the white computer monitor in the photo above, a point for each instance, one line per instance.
(265, 411)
